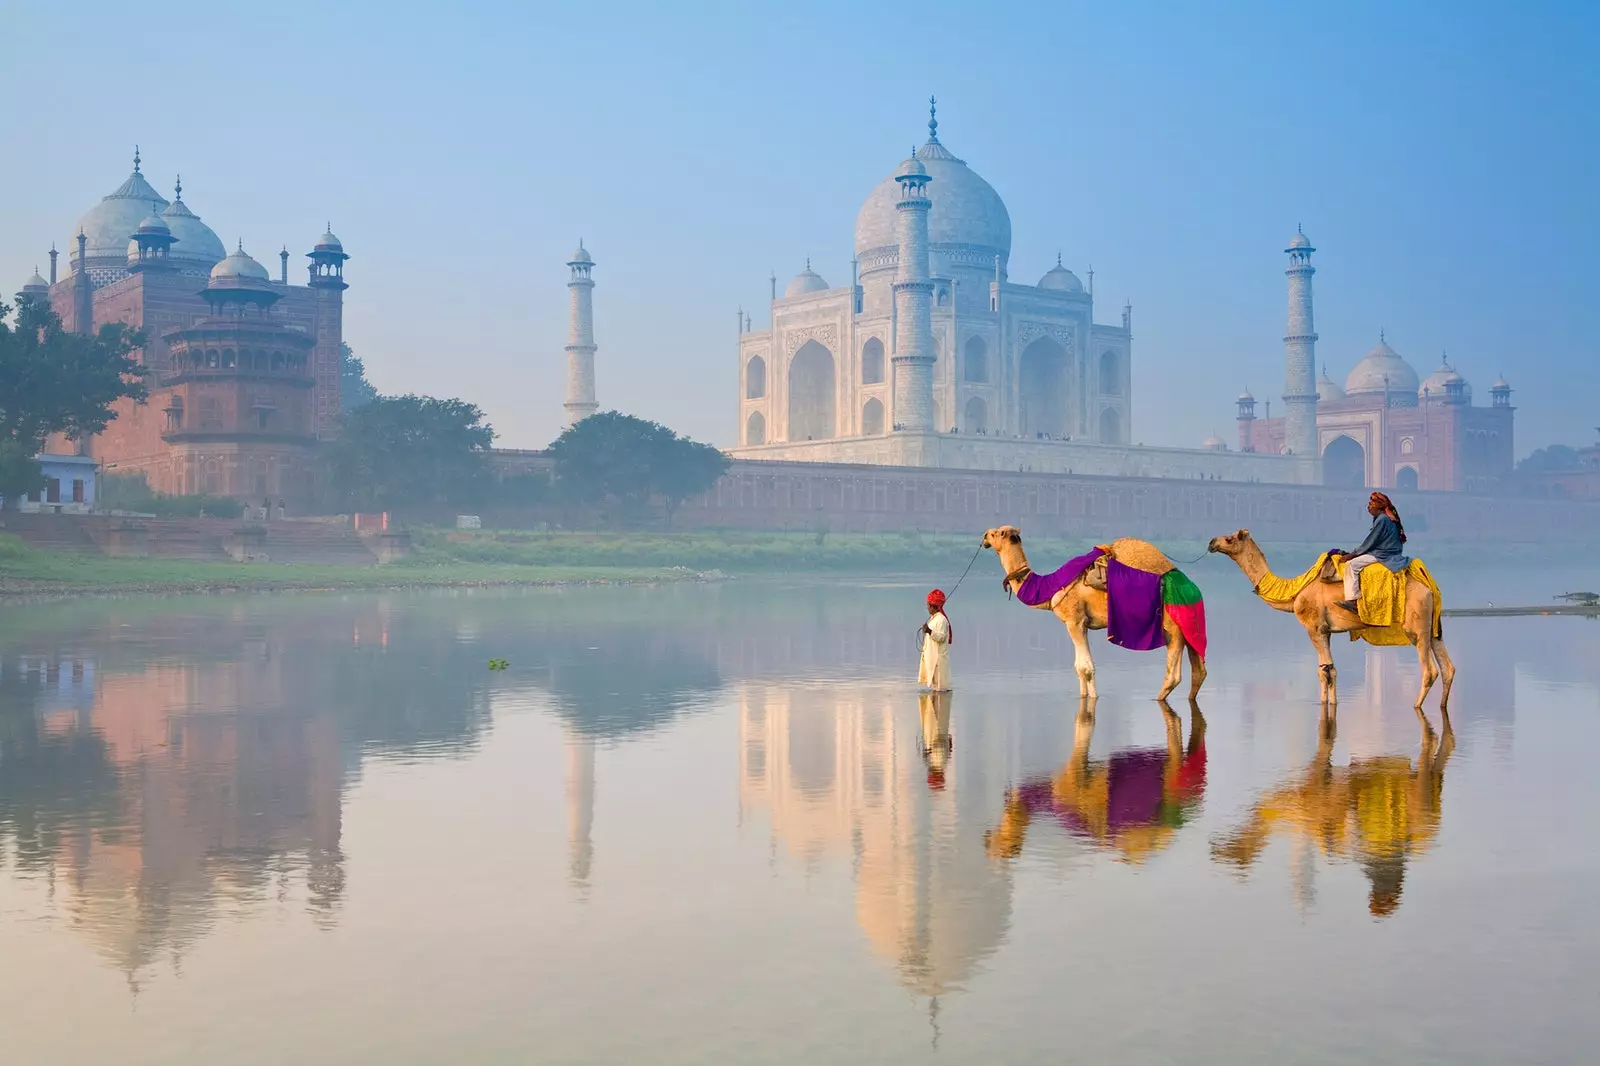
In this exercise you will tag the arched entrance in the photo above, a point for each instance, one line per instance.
(755, 378)
(1044, 389)
(977, 420)
(755, 428)
(975, 365)
(872, 418)
(1406, 479)
(1344, 463)
(1110, 426)
(872, 362)
(811, 394)
(1110, 374)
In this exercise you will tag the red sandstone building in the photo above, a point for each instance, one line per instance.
(243, 368)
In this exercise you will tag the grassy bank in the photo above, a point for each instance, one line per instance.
(29, 572)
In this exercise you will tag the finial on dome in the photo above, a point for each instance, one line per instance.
(808, 262)
(1058, 259)
(933, 120)
(136, 159)
(241, 245)
(177, 188)
(1381, 338)
(1298, 229)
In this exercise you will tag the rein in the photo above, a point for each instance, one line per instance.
(952, 592)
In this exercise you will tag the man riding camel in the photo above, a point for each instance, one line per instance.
(1385, 544)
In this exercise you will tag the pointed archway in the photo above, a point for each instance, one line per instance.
(811, 394)
(1045, 389)
(1344, 463)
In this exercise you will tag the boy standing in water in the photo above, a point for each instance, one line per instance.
(934, 673)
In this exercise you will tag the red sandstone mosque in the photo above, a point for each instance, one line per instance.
(243, 368)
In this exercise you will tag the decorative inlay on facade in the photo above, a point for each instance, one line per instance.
(826, 334)
(1028, 332)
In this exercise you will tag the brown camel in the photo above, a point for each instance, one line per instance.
(1317, 608)
(1082, 607)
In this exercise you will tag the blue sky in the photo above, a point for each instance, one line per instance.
(1441, 156)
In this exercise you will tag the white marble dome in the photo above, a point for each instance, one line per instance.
(110, 223)
(1328, 390)
(965, 209)
(1382, 361)
(1437, 384)
(1214, 443)
(1059, 279)
(329, 243)
(806, 281)
(238, 266)
(579, 254)
(36, 285)
(194, 242)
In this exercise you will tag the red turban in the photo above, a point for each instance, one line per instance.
(936, 600)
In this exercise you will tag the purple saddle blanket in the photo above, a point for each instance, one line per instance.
(1037, 590)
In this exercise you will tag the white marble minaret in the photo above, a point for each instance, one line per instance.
(1300, 353)
(580, 809)
(580, 338)
(913, 299)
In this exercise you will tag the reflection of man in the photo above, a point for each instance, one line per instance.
(937, 744)
(1379, 811)
(1132, 801)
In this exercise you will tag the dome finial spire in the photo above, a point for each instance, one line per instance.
(933, 120)
(136, 159)
(1058, 258)
(177, 188)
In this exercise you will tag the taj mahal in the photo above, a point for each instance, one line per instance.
(933, 357)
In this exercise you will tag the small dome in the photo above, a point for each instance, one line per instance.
(1500, 384)
(328, 243)
(238, 266)
(1245, 397)
(581, 255)
(35, 282)
(1299, 241)
(805, 281)
(1328, 390)
(154, 225)
(1060, 279)
(1213, 443)
(1438, 383)
(1380, 363)
(911, 168)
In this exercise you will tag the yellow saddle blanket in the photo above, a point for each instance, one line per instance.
(1382, 604)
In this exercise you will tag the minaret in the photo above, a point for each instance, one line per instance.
(82, 290)
(283, 267)
(580, 810)
(1300, 353)
(327, 357)
(580, 338)
(913, 301)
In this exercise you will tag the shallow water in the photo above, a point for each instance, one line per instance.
(701, 823)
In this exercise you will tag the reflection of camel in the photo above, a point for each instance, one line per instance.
(1379, 812)
(1316, 606)
(1082, 606)
(937, 744)
(1131, 802)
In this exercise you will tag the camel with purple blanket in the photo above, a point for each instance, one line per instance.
(1127, 587)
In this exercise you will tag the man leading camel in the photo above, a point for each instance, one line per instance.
(1385, 544)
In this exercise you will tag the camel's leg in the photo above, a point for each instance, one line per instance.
(1430, 673)
(1327, 673)
(1078, 628)
(1447, 671)
(1175, 646)
(1197, 673)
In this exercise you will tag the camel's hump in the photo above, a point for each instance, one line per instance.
(1141, 555)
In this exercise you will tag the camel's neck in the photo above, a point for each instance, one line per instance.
(1253, 561)
(1012, 557)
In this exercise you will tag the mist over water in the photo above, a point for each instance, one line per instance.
(716, 823)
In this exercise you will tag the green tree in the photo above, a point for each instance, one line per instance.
(631, 462)
(410, 450)
(354, 388)
(52, 381)
(1556, 458)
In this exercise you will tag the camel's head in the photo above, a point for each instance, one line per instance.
(1230, 544)
(1002, 535)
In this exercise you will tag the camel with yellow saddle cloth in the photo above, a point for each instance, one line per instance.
(1393, 608)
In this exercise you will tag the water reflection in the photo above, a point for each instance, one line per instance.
(1380, 812)
(1131, 802)
(852, 774)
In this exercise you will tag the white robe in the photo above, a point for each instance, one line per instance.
(934, 673)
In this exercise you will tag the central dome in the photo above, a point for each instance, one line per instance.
(109, 223)
(1380, 363)
(965, 211)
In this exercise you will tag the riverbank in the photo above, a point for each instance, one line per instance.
(33, 574)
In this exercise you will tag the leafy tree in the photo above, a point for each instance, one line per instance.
(400, 450)
(632, 462)
(1556, 458)
(354, 388)
(52, 381)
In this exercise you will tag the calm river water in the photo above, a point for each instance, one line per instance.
(716, 824)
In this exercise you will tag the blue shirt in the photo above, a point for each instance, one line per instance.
(1383, 544)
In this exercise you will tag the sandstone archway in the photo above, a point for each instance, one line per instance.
(1344, 463)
